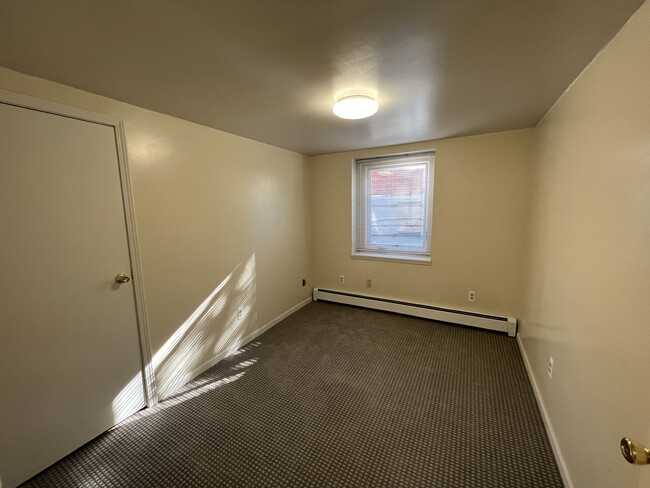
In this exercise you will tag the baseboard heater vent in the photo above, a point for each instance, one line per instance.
(463, 317)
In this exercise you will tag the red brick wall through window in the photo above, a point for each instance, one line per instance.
(397, 182)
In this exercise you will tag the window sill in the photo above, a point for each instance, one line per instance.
(393, 258)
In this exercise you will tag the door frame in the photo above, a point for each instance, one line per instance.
(47, 106)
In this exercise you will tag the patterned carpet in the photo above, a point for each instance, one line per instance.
(336, 396)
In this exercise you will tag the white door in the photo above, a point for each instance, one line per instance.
(70, 363)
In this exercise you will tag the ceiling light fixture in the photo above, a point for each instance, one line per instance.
(355, 107)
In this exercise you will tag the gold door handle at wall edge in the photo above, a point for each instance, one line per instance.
(122, 278)
(634, 452)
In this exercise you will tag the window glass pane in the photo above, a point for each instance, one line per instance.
(397, 207)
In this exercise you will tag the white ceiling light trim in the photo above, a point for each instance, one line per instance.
(355, 107)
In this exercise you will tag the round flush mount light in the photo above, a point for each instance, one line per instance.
(355, 107)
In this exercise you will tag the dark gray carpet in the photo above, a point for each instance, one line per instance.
(336, 396)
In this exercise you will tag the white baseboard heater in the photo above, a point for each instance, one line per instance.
(463, 317)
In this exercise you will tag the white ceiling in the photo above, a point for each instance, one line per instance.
(270, 70)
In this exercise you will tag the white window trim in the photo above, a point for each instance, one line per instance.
(408, 257)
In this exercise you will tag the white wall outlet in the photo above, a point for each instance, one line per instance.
(240, 313)
(550, 367)
(368, 283)
(341, 279)
(471, 296)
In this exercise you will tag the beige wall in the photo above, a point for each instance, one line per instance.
(212, 209)
(588, 279)
(220, 212)
(478, 225)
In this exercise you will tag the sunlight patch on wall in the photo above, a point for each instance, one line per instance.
(212, 331)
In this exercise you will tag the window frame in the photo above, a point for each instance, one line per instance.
(360, 205)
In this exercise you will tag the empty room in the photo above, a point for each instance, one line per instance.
(361, 243)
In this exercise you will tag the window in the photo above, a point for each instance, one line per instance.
(393, 206)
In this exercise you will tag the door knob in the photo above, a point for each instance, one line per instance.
(122, 278)
(633, 452)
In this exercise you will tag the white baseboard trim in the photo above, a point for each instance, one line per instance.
(238, 345)
(557, 452)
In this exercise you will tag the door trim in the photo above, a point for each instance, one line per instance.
(46, 106)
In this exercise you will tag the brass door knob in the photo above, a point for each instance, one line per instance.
(122, 278)
(634, 452)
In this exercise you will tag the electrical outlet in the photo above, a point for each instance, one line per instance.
(550, 367)
(240, 313)
(341, 279)
(471, 296)
(368, 283)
